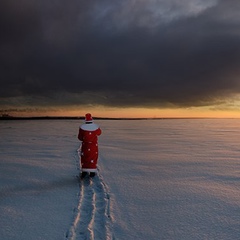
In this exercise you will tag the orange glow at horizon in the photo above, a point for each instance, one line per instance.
(101, 111)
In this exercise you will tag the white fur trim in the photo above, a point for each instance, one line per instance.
(89, 169)
(89, 127)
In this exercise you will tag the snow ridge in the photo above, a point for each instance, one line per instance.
(92, 216)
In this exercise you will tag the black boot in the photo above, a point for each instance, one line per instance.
(83, 175)
(92, 174)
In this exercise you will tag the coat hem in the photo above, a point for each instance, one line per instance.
(89, 170)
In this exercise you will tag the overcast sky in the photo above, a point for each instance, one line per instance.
(138, 53)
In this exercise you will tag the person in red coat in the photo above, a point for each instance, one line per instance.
(88, 135)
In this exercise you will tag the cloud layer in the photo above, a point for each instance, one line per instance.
(119, 53)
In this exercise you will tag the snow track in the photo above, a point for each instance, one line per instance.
(92, 219)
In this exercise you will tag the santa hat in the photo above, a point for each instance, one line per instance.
(88, 118)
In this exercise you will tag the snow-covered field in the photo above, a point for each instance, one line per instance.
(158, 179)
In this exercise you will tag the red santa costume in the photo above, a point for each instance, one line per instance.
(88, 134)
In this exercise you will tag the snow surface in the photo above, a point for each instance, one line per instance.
(157, 179)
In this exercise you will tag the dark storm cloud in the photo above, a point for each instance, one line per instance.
(119, 53)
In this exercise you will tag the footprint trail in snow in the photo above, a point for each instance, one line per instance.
(92, 218)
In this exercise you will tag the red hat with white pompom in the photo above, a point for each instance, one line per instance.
(88, 118)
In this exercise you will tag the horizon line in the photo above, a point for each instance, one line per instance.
(7, 117)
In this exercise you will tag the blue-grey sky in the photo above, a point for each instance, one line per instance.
(137, 53)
